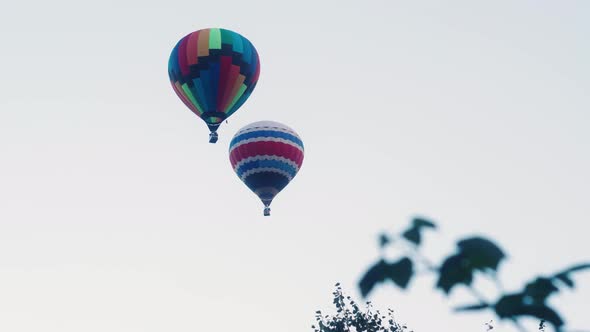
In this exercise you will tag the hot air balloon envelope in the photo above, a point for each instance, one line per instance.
(266, 156)
(213, 72)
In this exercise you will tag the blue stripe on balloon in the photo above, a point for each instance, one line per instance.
(247, 51)
(215, 68)
(173, 64)
(200, 96)
(266, 133)
(254, 65)
(258, 181)
(267, 163)
(237, 43)
(206, 86)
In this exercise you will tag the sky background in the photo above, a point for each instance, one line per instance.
(117, 215)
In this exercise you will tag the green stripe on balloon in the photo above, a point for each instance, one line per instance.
(214, 119)
(215, 39)
(190, 96)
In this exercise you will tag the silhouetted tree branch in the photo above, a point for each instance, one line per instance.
(474, 255)
(350, 318)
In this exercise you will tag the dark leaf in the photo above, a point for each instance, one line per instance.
(514, 305)
(384, 240)
(482, 253)
(537, 291)
(399, 272)
(412, 235)
(565, 279)
(508, 305)
(473, 307)
(455, 270)
(376, 274)
(420, 222)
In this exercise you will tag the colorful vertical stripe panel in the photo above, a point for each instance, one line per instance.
(213, 72)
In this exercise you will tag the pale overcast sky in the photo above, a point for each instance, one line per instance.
(117, 215)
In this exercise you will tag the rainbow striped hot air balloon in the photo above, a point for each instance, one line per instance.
(213, 72)
(266, 156)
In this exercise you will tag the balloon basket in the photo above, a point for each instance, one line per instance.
(266, 211)
(213, 137)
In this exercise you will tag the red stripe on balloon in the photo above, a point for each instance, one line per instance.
(223, 75)
(182, 57)
(269, 148)
(232, 77)
(192, 48)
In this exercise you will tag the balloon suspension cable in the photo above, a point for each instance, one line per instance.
(266, 211)
(213, 137)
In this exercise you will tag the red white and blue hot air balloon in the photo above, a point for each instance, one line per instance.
(266, 155)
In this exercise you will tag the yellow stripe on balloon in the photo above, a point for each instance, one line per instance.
(203, 45)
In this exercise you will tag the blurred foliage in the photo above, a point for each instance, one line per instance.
(399, 272)
(473, 255)
(412, 234)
